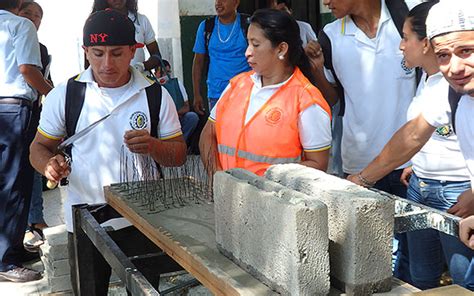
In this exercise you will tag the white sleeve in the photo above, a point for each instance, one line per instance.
(437, 113)
(147, 30)
(183, 91)
(212, 116)
(169, 126)
(52, 123)
(314, 126)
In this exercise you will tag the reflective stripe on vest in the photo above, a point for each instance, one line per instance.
(255, 157)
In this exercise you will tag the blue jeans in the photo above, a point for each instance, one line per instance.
(189, 122)
(430, 249)
(401, 263)
(35, 215)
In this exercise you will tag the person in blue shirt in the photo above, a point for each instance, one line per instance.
(226, 51)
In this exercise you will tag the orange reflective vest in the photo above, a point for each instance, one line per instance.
(271, 136)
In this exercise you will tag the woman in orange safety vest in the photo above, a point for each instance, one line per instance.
(272, 114)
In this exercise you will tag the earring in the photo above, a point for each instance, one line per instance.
(281, 57)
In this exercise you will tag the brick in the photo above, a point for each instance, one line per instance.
(60, 283)
(278, 235)
(360, 227)
(57, 268)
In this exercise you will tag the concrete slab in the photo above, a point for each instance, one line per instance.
(360, 227)
(278, 235)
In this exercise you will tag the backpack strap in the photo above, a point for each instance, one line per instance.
(398, 11)
(454, 98)
(326, 46)
(75, 94)
(209, 24)
(153, 95)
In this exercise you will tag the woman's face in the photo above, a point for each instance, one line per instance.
(117, 4)
(411, 46)
(260, 53)
(33, 13)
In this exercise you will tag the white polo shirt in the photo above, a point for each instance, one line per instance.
(440, 158)
(96, 156)
(378, 87)
(437, 116)
(18, 46)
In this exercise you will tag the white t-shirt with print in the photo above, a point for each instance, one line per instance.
(96, 156)
(440, 158)
(314, 124)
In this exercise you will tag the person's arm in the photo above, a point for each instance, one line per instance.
(35, 79)
(169, 152)
(405, 143)
(466, 231)
(44, 159)
(183, 110)
(464, 207)
(318, 160)
(208, 148)
(152, 61)
(198, 66)
(315, 55)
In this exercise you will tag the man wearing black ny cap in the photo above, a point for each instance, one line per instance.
(112, 88)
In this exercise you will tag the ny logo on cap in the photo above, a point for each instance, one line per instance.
(95, 37)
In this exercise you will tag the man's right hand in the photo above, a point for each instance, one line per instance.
(466, 231)
(57, 168)
(198, 105)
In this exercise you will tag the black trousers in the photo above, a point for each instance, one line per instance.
(16, 180)
(133, 243)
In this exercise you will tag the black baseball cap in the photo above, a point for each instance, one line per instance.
(109, 27)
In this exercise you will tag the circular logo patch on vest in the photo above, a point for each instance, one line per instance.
(274, 115)
(138, 120)
(444, 131)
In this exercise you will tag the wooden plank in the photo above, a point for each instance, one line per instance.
(453, 290)
(187, 235)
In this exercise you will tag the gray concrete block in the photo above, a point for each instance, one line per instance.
(54, 253)
(60, 283)
(360, 227)
(56, 235)
(278, 235)
(57, 268)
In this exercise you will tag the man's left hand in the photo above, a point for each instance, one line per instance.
(465, 205)
(139, 141)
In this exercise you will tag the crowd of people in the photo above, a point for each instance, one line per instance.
(401, 80)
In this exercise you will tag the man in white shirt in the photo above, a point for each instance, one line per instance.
(450, 27)
(377, 88)
(116, 89)
(20, 80)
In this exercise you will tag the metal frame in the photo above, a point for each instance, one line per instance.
(410, 216)
(88, 234)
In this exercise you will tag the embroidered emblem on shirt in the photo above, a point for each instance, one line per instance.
(274, 115)
(444, 131)
(138, 120)
(407, 70)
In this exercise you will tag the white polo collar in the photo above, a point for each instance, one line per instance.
(348, 27)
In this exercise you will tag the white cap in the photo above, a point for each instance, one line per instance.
(450, 16)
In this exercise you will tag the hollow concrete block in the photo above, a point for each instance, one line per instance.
(276, 234)
(360, 227)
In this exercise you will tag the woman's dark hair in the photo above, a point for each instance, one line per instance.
(131, 5)
(417, 18)
(25, 4)
(9, 4)
(278, 27)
